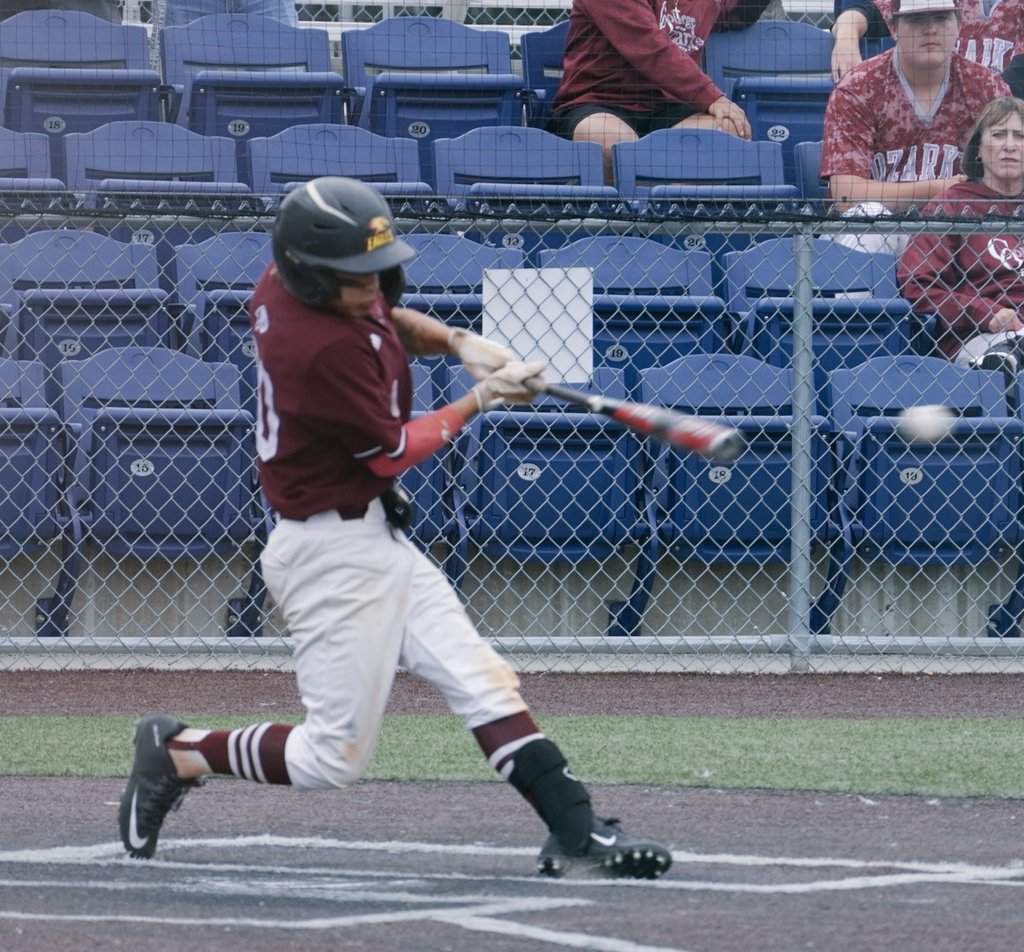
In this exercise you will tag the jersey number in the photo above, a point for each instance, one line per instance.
(268, 423)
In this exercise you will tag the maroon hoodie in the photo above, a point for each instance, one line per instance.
(640, 54)
(965, 279)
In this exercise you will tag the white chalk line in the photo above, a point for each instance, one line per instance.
(572, 940)
(896, 873)
(113, 853)
(474, 912)
(477, 917)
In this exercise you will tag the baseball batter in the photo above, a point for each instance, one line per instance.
(333, 432)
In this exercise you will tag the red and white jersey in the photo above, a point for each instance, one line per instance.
(641, 54)
(333, 391)
(991, 31)
(875, 130)
(965, 278)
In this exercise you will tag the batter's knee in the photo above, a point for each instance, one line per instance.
(318, 764)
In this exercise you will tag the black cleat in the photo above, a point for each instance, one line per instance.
(154, 788)
(609, 853)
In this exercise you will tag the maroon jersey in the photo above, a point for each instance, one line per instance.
(874, 130)
(991, 31)
(965, 279)
(640, 54)
(333, 391)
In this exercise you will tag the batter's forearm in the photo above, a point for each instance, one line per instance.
(424, 436)
(421, 334)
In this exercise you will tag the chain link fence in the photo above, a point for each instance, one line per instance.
(132, 524)
(131, 521)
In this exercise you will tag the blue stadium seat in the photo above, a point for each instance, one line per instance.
(65, 292)
(738, 513)
(780, 73)
(429, 77)
(31, 451)
(243, 76)
(703, 175)
(162, 466)
(956, 502)
(446, 277)
(652, 302)
(699, 165)
(300, 153)
(520, 169)
(155, 166)
(151, 175)
(550, 485)
(51, 325)
(63, 71)
(25, 155)
(214, 280)
(69, 258)
(543, 52)
(856, 308)
(26, 183)
(743, 518)
(807, 156)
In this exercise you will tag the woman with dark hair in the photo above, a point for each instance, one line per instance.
(974, 283)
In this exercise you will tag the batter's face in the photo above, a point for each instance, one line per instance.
(357, 295)
(926, 40)
(1001, 151)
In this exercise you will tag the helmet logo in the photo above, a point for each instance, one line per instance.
(378, 233)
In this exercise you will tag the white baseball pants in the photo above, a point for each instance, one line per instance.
(359, 601)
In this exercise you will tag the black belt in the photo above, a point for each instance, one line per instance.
(397, 509)
(351, 512)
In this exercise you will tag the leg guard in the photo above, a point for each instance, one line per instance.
(541, 774)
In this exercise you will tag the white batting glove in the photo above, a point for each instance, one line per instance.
(479, 355)
(509, 385)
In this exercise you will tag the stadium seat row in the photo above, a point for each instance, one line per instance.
(144, 452)
(420, 78)
(67, 293)
(119, 165)
(548, 485)
(147, 453)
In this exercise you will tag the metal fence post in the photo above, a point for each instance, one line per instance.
(803, 409)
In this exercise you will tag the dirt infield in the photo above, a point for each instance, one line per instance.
(757, 695)
(448, 867)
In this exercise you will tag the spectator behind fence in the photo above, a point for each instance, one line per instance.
(633, 66)
(991, 33)
(180, 12)
(974, 283)
(894, 124)
(104, 9)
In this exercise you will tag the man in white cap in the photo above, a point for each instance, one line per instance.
(991, 33)
(895, 124)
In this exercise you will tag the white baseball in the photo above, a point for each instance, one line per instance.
(926, 424)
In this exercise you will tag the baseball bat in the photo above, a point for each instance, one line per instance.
(679, 430)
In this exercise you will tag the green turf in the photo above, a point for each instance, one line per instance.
(956, 757)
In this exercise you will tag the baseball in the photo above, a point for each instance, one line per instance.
(925, 424)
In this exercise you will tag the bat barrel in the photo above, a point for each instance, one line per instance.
(727, 446)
